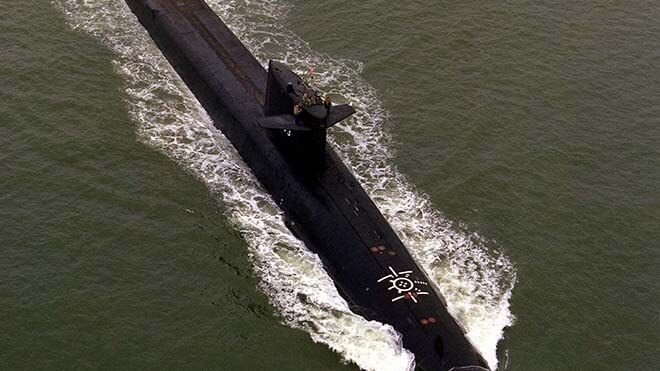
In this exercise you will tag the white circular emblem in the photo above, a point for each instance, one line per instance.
(402, 284)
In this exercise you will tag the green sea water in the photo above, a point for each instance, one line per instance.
(535, 125)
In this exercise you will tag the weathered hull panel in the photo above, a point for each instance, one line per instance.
(323, 204)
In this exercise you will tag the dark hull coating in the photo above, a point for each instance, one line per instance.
(322, 202)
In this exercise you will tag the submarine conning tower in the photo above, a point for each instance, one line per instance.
(298, 115)
(277, 123)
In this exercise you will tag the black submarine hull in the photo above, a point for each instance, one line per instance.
(323, 204)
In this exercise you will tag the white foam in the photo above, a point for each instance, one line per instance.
(477, 284)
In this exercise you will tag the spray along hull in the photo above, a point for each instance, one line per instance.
(323, 204)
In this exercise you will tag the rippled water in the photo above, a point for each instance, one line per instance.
(531, 126)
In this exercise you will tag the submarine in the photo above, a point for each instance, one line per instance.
(278, 123)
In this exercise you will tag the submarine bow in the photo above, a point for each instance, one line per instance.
(278, 124)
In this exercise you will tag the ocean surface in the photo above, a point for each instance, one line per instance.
(514, 146)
